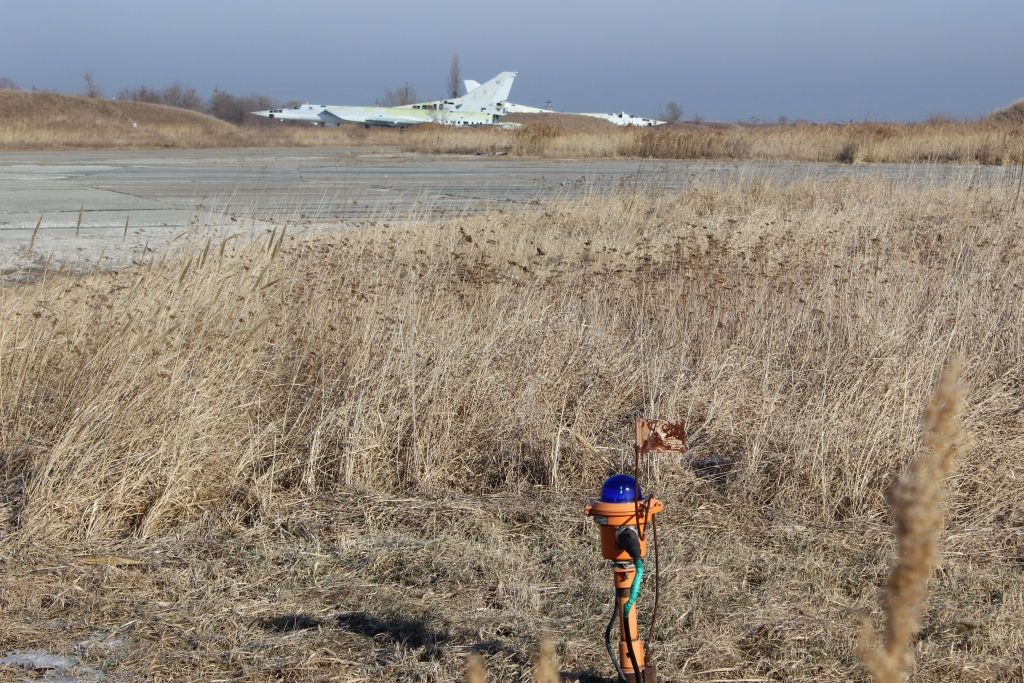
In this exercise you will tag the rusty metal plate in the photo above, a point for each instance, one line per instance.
(660, 436)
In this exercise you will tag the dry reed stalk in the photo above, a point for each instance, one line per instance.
(917, 507)
(475, 670)
(32, 242)
(546, 670)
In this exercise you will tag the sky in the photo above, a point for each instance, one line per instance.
(729, 60)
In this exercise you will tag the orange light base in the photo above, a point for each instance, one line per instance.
(609, 517)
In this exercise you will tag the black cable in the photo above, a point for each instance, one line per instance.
(608, 640)
(627, 539)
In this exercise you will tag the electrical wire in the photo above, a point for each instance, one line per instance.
(608, 639)
(637, 674)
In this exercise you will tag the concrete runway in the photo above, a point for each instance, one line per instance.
(161, 193)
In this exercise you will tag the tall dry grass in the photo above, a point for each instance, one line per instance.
(406, 419)
(995, 141)
(798, 322)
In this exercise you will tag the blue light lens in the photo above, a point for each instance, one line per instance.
(620, 488)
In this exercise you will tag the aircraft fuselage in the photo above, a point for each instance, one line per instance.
(396, 116)
(481, 107)
(310, 113)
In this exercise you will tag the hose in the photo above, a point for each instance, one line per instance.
(634, 590)
(608, 641)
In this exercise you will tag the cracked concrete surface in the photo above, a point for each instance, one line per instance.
(160, 194)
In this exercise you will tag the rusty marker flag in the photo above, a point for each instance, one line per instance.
(660, 436)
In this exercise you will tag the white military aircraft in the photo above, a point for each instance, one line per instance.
(622, 119)
(482, 106)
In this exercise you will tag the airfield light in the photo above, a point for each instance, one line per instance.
(623, 516)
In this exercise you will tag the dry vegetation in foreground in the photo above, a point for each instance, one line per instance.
(47, 121)
(365, 456)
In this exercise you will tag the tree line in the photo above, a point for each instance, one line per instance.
(221, 104)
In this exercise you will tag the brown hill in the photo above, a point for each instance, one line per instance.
(47, 120)
(52, 121)
(1012, 114)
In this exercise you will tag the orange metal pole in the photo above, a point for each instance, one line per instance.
(623, 580)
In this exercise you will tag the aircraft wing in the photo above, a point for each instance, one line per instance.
(379, 116)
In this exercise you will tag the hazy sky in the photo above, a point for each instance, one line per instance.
(722, 59)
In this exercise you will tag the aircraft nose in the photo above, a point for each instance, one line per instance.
(264, 114)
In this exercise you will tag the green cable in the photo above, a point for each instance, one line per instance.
(634, 590)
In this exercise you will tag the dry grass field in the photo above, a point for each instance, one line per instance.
(364, 456)
(49, 121)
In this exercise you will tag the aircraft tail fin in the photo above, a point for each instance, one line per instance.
(470, 85)
(493, 91)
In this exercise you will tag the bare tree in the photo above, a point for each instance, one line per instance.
(174, 95)
(237, 110)
(673, 112)
(225, 107)
(454, 77)
(183, 97)
(398, 97)
(8, 84)
(140, 94)
(91, 89)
